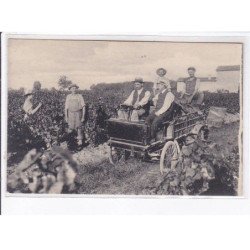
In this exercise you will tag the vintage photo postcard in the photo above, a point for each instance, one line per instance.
(123, 117)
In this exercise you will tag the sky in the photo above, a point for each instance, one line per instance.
(91, 62)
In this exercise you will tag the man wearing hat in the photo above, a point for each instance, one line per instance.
(28, 106)
(75, 112)
(191, 92)
(161, 76)
(163, 102)
(138, 99)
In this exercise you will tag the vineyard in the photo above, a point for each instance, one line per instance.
(47, 127)
(211, 169)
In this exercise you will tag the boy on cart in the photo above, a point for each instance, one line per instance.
(192, 94)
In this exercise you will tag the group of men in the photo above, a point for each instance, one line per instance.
(140, 101)
(74, 110)
(162, 97)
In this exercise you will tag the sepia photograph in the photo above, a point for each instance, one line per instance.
(124, 117)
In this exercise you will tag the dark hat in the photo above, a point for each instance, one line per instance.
(161, 69)
(138, 79)
(192, 68)
(73, 85)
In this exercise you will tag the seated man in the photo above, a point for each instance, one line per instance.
(138, 99)
(191, 94)
(163, 102)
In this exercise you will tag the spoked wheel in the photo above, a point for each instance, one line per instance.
(169, 157)
(117, 155)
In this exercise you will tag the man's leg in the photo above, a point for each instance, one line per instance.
(141, 112)
(136, 114)
(71, 138)
(184, 99)
(79, 135)
(155, 125)
(152, 121)
(150, 118)
(122, 115)
(200, 98)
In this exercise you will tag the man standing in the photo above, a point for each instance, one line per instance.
(138, 99)
(163, 102)
(28, 106)
(75, 112)
(191, 94)
(161, 72)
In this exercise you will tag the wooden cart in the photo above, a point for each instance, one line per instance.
(130, 139)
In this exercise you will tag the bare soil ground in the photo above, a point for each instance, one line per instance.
(97, 176)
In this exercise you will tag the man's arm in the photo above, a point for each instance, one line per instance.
(83, 114)
(167, 103)
(155, 98)
(83, 108)
(129, 99)
(27, 110)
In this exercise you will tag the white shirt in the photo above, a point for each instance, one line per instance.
(27, 106)
(167, 102)
(143, 101)
(74, 96)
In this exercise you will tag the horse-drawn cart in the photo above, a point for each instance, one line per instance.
(133, 139)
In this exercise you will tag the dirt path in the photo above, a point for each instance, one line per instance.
(135, 177)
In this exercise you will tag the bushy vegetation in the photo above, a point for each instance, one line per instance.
(231, 101)
(48, 125)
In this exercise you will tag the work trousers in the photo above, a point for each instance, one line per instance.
(134, 115)
(155, 122)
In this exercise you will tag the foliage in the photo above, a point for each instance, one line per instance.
(47, 126)
(64, 82)
(231, 101)
(52, 171)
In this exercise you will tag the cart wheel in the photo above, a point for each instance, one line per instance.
(169, 157)
(203, 134)
(116, 155)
